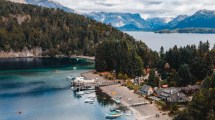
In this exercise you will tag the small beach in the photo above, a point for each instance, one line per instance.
(143, 112)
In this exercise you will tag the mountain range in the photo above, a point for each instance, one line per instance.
(127, 21)
(134, 22)
(45, 3)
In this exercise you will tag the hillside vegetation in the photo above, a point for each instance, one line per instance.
(55, 31)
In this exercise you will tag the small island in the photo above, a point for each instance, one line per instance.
(188, 30)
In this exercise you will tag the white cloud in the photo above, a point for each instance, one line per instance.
(147, 8)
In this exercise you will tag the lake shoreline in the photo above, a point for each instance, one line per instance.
(83, 57)
(92, 58)
(144, 112)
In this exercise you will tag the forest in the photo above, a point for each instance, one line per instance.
(59, 33)
(177, 67)
(25, 26)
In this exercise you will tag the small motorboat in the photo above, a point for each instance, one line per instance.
(116, 100)
(89, 100)
(70, 77)
(91, 88)
(74, 68)
(87, 92)
(72, 88)
(115, 109)
(80, 93)
(113, 114)
(92, 97)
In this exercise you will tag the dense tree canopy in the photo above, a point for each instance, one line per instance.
(120, 56)
(202, 106)
(199, 63)
(55, 31)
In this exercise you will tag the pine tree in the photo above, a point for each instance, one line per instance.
(184, 74)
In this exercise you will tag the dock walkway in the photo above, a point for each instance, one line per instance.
(138, 104)
(98, 82)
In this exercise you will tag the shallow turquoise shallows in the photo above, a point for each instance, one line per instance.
(37, 89)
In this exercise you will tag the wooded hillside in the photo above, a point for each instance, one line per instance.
(55, 31)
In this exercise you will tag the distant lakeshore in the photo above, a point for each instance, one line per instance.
(28, 54)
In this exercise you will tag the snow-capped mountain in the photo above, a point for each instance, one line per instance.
(175, 21)
(120, 20)
(201, 19)
(127, 21)
(18, 1)
(156, 23)
(134, 22)
(45, 3)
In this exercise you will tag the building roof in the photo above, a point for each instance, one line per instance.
(164, 86)
(171, 90)
(194, 87)
(145, 88)
(158, 91)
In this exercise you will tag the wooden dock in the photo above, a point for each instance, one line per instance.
(93, 85)
(138, 104)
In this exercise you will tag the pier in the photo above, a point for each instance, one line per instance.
(83, 84)
(138, 104)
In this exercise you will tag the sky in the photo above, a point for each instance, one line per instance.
(146, 8)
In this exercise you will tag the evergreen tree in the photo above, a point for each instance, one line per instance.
(151, 78)
(185, 76)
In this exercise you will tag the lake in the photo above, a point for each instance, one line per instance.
(156, 40)
(37, 89)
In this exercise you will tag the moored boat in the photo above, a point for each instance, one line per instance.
(113, 114)
(80, 93)
(70, 78)
(89, 100)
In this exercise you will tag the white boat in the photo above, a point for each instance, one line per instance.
(87, 92)
(72, 88)
(74, 68)
(91, 97)
(116, 100)
(89, 101)
(113, 114)
(70, 77)
(91, 88)
(80, 93)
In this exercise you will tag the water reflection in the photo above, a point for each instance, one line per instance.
(103, 98)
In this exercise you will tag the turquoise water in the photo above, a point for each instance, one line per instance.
(37, 89)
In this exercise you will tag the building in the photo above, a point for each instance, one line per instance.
(138, 80)
(81, 84)
(172, 95)
(190, 89)
(146, 90)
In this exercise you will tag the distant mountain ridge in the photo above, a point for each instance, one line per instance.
(45, 3)
(134, 22)
(127, 21)
(120, 20)
(174, 22)
(201, 19)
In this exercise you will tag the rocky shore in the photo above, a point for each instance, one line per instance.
(35, 52)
